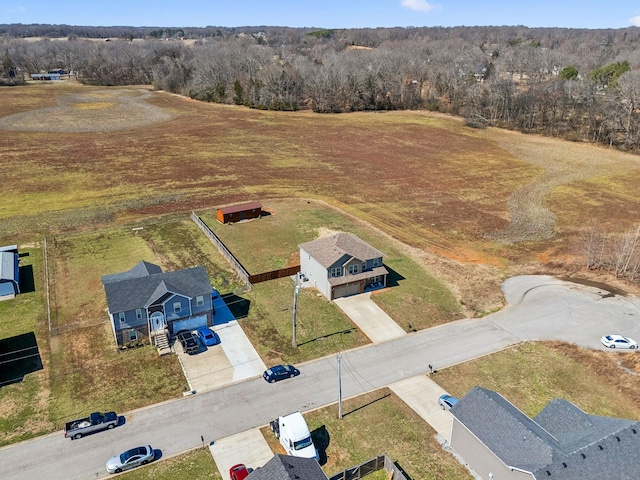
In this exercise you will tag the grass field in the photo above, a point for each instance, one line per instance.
(455, 210)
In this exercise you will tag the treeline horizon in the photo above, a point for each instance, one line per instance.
(576, 84)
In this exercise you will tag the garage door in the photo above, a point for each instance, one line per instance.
(346, 290)
(189, 324)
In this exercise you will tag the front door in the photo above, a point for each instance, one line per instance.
(158, 322)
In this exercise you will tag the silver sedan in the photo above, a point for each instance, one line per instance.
(130, 459)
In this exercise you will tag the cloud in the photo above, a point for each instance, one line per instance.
(635, 21)
(419, 5)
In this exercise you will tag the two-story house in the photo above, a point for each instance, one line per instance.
(145, 301)
(342, 265)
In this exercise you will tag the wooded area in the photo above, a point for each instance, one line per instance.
(576, 84)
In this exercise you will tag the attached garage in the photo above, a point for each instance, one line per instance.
(346, 290)
(188, 324)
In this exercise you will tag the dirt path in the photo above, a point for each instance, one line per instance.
(562, 163)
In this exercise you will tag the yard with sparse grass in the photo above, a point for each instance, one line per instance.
(195, 465)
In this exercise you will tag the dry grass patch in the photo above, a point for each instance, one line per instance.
(372, 424)
(422, 178)
(100, 111)
(532, 374)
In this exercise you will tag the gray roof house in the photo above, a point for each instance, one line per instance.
(287, 467)
(499, 441)
(146, 302)
(341, 265)
(9, 272)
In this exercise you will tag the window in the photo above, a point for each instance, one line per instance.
(199, 300)
(121, 316)
(133, 335)
(177, 307)
(376, 262)
(336, 272)
(353, 269)
(139, 313)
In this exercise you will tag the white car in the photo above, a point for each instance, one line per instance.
(618, 341)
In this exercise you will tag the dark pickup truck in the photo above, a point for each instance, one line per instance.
(188, 342)
(93, 423)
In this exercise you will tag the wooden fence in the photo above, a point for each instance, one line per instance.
(235, 263)
(370, 466)
(273, 274)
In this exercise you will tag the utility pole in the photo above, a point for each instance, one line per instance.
(294, 341)
(339, 386)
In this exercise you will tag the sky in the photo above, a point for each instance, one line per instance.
(324, 13)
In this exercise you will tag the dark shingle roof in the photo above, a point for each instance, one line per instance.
(145, 283)
(563, 442)
(328, 250)
(286, 467)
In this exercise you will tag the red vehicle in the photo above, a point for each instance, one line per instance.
(238, 472)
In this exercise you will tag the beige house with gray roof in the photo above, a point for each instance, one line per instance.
(341, 265)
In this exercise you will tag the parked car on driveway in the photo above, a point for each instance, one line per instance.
(238, 472)
(188, 342)
(280, 372)
(447, 401)
(130, 459)
(618, 341)
(207, 336)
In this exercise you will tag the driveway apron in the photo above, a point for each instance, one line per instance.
(370, 318)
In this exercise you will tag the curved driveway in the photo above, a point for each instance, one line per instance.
(540, 307)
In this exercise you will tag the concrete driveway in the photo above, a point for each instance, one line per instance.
(248, 447)
(421, 394)
(233, 360)
(370, 318)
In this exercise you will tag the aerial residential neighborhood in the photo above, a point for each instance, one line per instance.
(319, 241)
(149, 308)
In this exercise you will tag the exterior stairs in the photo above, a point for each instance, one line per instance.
(161, 341)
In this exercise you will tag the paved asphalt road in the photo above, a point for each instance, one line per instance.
(540, 307)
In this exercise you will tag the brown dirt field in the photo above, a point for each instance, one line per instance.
(475, 206)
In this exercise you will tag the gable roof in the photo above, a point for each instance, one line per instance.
(287, 467)
(145, 283)
(328, 250)
(561, 442)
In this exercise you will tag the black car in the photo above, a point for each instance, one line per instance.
(188, 342)
(280, 372)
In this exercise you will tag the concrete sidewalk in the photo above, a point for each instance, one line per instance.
(370, 318)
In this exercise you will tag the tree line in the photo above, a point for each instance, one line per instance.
(576, 84)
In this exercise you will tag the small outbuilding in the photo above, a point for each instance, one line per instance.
(236, 213)
(51, 76)
(9, 272)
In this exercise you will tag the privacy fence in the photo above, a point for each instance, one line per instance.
(370, 466)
